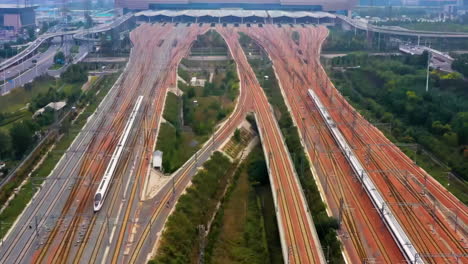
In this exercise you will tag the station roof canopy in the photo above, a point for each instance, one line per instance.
(15, 6)
(235, 13)
(298, 14)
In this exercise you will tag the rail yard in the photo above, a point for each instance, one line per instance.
(427, 212)
(91, 209)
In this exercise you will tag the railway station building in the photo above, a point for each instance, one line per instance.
(286, 5)
(236, 16)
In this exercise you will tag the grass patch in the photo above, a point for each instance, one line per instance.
(17, 116)
(19, 97)
(56, 66)
(202, 109)
(172, 109)
(177, 146)
(75, 49)
(180, 239)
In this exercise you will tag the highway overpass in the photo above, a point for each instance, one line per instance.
(400, 32)
(80, 35)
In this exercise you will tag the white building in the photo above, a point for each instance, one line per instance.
(157, 160)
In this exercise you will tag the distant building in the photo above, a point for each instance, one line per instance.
(17, 16)
(157, 160)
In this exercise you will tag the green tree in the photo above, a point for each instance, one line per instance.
(460, 126)
(5, 144)
(439, 129)
(237, 135)
(21, 134)
(59, 58)
(460, 64)
(76, 73)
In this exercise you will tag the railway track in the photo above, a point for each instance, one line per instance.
(77, 144)
(64, 248)
(327, 161)
(305, 245)
(88, 167)
(400, 189)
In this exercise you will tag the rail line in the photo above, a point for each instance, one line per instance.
(403, 190)
(308, 247)
(76, 144)
(396, 229)
(268, 38)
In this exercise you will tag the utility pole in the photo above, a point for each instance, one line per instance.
(427, 71)
(340, 214)
(201, 233)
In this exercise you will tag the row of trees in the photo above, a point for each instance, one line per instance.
(461, 64)
(18, 139)
(7, 51)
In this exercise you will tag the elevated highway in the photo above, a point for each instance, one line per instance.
(400, 32)
(80, 35)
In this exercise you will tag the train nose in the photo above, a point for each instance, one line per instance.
(97, 202)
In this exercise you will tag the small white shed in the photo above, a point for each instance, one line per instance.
(157, 160)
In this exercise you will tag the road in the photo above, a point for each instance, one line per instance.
(80, 35)
(403, 32)
(27, 71)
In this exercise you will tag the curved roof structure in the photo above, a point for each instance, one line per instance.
(316, 5)
(235, 13)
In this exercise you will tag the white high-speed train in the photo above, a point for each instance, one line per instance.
(396, 230)
(104, 185)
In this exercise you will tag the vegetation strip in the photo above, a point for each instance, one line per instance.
(242, 231)
(180, 240)
(391, 90)
(192, 113)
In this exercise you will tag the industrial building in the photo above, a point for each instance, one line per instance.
(15, 17)
(304, 5)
